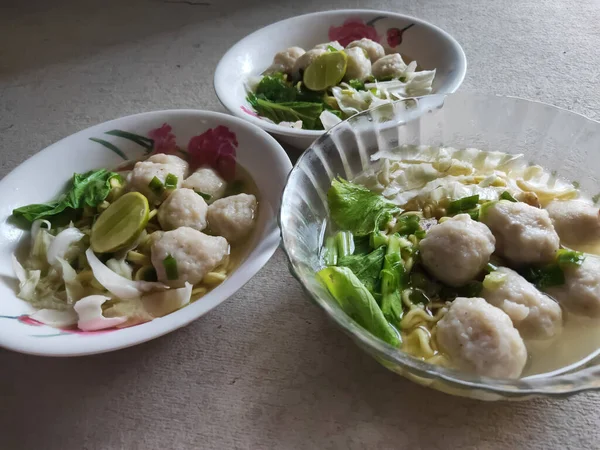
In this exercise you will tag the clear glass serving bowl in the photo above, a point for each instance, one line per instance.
(557, 139)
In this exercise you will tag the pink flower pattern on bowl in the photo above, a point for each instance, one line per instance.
(354, 29)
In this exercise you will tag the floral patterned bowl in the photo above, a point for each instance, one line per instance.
(109, 144)
(432, 47)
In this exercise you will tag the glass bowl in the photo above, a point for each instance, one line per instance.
(557, 139)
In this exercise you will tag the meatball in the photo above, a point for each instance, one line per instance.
(575, 221)
(480, 339)
(195, 253)
(374, 49)
(232, 217)
(533, 313)
(359, 65)
(306, 60)
(334, 44)
(580, 294)
(183, 208)
(389, 66)
(456, 250)
(524, 234)
(284, 61)
(206, 181)
(159, 166)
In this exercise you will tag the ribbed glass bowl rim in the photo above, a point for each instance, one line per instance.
(559, 385)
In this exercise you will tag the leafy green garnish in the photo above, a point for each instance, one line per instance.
(545, 277)
(357, 209)
(87, 189)
(407, 224)
(330, 251)
(206, 197)
(356, 301)
(365, 267)
(566, 258)
(508, 196)
(463, 204)
(276, 89)
(307, 112)
(393, 281)
(331, 48)
(357, 84)
(345, 243)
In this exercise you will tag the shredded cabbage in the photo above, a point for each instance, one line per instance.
(28, 280)
(329, 120)
(89, 312)
(54, 318)
(62, 243)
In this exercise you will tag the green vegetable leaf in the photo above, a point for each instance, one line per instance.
(393, 281)
(356, 301)
(357, 84)
(366, 267)
(307, 112)
(90, 188)
(276, 89)
(357, 209)
(566, 258)
(508, 196)
(407, 224)
(463, 204)
(545, 277)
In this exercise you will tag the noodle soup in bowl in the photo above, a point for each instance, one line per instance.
(429, 233)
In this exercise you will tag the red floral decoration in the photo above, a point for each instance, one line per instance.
(352, 30)
(164, 140)
(216, 148)
(394, 35)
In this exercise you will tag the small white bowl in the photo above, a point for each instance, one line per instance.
(43, 177)
(431, 46)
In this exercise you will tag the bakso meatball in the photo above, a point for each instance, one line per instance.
(479, 338)
(159, 166)
(183, 208)
(284, 61)
(456, 250)
(326, 45)
(533, 313)
(524, 234)
(306, 60)
(194, 252)
(580, 294)
(389, 66)
(575, 221)
(208, 182)
(359, 65)
(374, 49)
(232, 217)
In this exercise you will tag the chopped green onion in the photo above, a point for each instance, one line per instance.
(206, 197)
(357, 84)
(494, 280)
(331, 48)
(171, 181)
(463, 204)
(156, 185)
(565, 258)
(330, 254)
(170, 265)
(489, 267)
(474, 213)
(345, 243)
(508, 196)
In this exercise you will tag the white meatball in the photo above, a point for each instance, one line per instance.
(580, 294)
(233, 217)
(374, 49)
(206, 181)
(524, 234)
(195, 253)
(306, 60)
(533, 313)
(159, 166)
(456, 250)
(359, 65)
(183, 208)
(284, 61)
(480, 339)
(389, 66)
(334, 44)
(575, 221)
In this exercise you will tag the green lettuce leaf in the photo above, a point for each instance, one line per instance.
(366, 267)
(275, 88)
(357, 209)
(90, 188)
(307, 112)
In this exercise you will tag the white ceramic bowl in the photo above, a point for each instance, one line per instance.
(432, 47)
(43, 176)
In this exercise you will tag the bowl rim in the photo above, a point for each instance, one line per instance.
(560, 384)
(258, 255)
(287, 131)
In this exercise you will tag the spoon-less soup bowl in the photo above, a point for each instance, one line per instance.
(44, 176)
(556, 139)
(431, 46)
